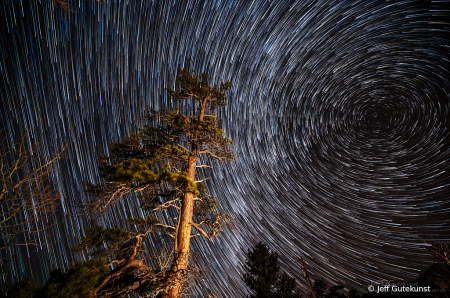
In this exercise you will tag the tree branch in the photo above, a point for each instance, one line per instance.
(199, 181)
(183, 148)
(210, 153)
(167, 205)
(165, 226)
(206, 235)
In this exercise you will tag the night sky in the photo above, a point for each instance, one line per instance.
(339, 111)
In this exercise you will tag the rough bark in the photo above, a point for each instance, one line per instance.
(202, 110)
(183, 237)
(199, 137)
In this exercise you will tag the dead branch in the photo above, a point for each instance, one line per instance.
(28, 199)
(212, 225)
(204, 166)
(210, 154)
(200, 181)
(168, 204)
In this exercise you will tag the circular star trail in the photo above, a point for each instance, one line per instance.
(339, 111)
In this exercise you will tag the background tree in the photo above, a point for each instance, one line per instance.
(262, 275)
(23, 289)
(323, 291)
(77, 282)
(158, 163)
(28, 202)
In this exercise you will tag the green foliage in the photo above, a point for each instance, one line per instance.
(78, 281)
(96, 236)
(169, 152)
(262, 275)
(136, 172)
(149, 220)
(177, 119)
(126, 249)
(153, 163)
(23, 289)
(206, 205)
(190, 83)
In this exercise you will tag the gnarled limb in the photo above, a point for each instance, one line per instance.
(210, 154)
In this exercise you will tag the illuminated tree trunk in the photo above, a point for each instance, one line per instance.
(183, 237)
(152, 163)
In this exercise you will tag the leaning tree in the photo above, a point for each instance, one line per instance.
(159, 165)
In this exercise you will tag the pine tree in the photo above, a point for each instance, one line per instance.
(158, 163)
(262, 275)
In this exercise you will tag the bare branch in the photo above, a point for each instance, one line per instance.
(183, 148)
(199, 181)
(27, 196)
(165, 226)
(115, 261)
(168, 204)
(210, 154)
(206, 235)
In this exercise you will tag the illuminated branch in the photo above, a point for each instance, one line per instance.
(206, 235)
(183, 148)
(168, 204)
(158, 163)
(199, 181)
(210, 154)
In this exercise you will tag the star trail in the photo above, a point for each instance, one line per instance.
(339, 111)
